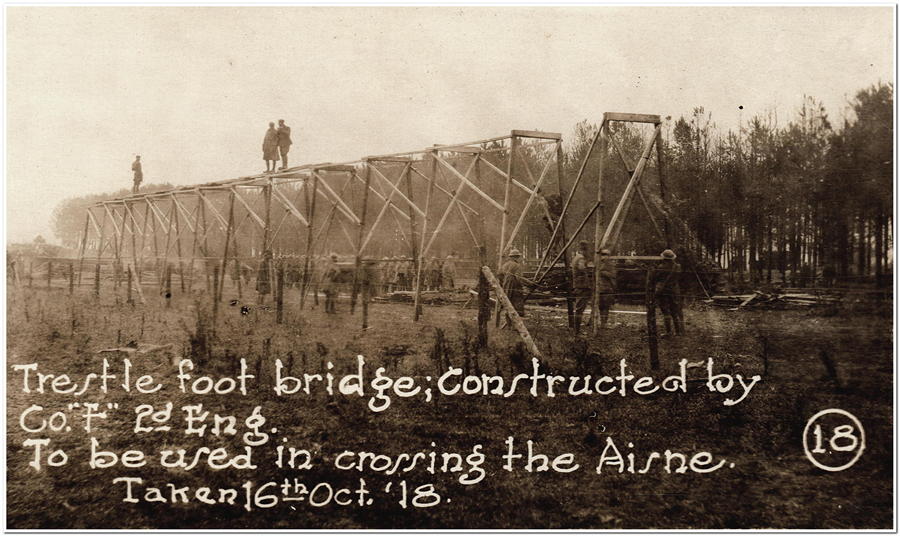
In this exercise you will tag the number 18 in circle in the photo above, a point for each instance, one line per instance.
(833, 439)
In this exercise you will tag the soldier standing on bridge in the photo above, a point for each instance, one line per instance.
(284, 142)
(270, 148)
(662, 282)
(138, 174)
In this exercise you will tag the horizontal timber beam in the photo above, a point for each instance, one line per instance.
(537, 134)
(634, 118)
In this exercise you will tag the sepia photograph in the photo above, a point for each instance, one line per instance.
(459, 267)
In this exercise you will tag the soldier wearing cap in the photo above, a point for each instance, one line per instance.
(662, 281)
(401, 281)
(330, 280)
(581, 282)
(283, 140)
(511, 273)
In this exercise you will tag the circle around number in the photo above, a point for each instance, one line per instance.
(862, 439)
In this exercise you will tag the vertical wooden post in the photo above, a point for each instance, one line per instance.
(49, 272)
(661, 168)
(100, 245)
(154, 233)
(366, 282)
(510, 168)
(237, 266)
(652, 339)
(598, 232)
(96, 280)
(196, 235)
(307, 261)
(120, 250)
(130, 300)
(417, 305)
(71, 278)
(204, 250)
(139, 264)
(168, 272)
(413, 230)
(165, 259)
(84, 235)
(240, 277)
(266, 260)
(30, 275)
(570, 303)
(359, 242)
(229, 229)
(178, 243)
(134, 254)
(215, 302)
(279, 294)
(484, 295)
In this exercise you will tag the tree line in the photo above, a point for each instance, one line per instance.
(795, 201)
(799, 201)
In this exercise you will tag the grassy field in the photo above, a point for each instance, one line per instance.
(772, 484)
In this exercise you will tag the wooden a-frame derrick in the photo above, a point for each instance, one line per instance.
(607, 236)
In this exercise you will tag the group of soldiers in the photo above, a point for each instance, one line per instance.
(327, 274)
(662, 285)
(398, 273)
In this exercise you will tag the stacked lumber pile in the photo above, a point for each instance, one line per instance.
(771, 300)
(428, 297)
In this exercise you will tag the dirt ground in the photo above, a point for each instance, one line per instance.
(771, 485)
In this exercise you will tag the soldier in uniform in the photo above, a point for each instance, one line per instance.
(511, 272)
(448, 272)
(390, 274)
(330, 284)
(138, 174)
(581, 282)
(606, 287)
(662, 281)
(401, 277)
(284, 143)
(270, 147)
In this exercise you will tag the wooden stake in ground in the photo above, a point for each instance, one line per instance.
(365, 297)
(71, 278)
(96, 280)
(279, 295)
(130, 300)
(511, 312)
(484, 295)
(652, 339)
(49, 272)
(137, 284)
(168, 272)
(215, 302)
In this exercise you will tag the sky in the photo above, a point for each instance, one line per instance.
(192, 90)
